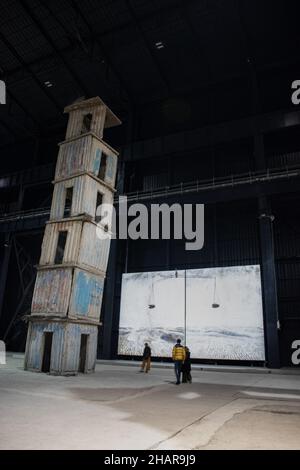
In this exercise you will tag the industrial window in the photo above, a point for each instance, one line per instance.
(98, 204)
(68, 201)
(60, 248)
(102, 169)
(86, 123)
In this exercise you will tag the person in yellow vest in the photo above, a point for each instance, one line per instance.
(178, 356)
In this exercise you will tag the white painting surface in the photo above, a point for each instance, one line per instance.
(218, 311)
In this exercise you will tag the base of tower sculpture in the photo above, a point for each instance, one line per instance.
(61, 347)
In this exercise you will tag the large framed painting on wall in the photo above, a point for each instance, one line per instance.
(217, 312)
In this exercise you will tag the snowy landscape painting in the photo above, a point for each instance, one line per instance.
(221, 318)
(152, 310)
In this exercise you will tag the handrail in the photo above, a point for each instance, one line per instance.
(182, 188)
(219, 182)
(14, 216)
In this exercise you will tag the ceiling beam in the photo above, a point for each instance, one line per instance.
(123, 86)
(200, 51)
(21, 106)
(32, 15)
(8, 129)
(29, 71)
(15, 100)
(148, 46)
(249, 56)
(165, 11)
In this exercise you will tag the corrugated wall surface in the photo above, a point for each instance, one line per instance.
(52, 291)
(65, 353)
(231, 238)
(87, 291)
(284, 160)
(85, 191)
(93, 251)
(83, 245)
(74, 157)
(59, 198)
(84, 154)
(91, 187)
(51, 237)
(287, 253)
(35, 345)
(72, 352)
(100, 148)
(76, 120)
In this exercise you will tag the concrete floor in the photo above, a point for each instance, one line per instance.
(119, 408)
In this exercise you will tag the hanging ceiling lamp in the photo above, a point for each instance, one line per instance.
(151, 302)
(215, 303)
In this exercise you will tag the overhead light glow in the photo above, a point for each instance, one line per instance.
(159, 45)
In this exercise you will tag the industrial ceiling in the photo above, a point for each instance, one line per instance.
(134, 53)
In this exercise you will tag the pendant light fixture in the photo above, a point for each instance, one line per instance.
(215, 303)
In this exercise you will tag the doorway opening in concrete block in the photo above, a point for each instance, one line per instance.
(102, 169)
(86, 123)
(60, 248)
(47, 351)
(99, 203)
(68, 201)
(83, 353)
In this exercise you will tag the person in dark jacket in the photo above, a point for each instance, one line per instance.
(146, 359)
(186, 367)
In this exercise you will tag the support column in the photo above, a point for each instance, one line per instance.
(266, 220)
(259, 151)
(4, 268)
(111, 280)
(108, 313)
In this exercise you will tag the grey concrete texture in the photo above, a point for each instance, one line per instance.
(118, 407)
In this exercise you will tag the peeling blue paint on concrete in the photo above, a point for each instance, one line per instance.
(97, 161)
(110, 167)
(88, 293)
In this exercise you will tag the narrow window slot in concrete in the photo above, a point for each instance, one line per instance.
(86, 123)
(102, 169)
(68, 201)
(98, 203)
(47, 351)
(60, 249)
(83, 351)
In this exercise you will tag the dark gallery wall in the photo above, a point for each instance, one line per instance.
(211, 109)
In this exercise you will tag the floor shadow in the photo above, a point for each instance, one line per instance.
(107, 394)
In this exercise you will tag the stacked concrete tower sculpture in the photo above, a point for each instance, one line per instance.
(66, 304)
